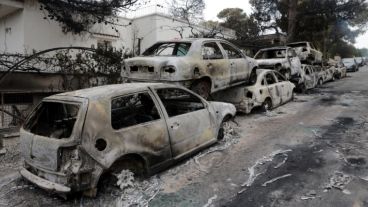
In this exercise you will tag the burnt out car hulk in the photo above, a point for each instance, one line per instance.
(281, 59)
(202, 65)
(71, 139)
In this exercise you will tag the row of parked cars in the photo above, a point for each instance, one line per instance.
(72, 139)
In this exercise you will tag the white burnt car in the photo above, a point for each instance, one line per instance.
(309, 78)
(71, 139)
(307, 52)
(268, 89)
(202, 65)
(281, 59)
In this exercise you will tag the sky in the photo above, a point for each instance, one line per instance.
(213, 7)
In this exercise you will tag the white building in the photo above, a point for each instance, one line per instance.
(23, 29)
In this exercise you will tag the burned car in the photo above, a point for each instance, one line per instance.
(202, 65)
(309, 78)
(268, 89)
(281, 59)
(71, 139)
(307, 52)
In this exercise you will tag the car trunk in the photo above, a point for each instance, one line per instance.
(53, 126)
(148, 68)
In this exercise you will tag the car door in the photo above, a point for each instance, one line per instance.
(139, 123)
(309, 79)
(239, 70)
(285, 91)
(188, 120)
(273, 88)
(216, 65)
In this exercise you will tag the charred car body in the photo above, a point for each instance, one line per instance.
(202, 65)
(306, 52)
(268, 89)
(281, 59)
(71, 139)
(309, 78)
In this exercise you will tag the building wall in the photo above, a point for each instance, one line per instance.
(12, 32)
(30, 31)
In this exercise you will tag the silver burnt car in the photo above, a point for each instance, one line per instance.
(202, 65)
(71, 139)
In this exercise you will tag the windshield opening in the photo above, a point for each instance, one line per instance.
(271, 54)
(53, 119)
(298, 45)
(168, 49)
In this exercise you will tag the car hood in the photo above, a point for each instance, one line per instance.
(270, 61)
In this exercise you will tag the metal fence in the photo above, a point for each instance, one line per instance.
(14, 107)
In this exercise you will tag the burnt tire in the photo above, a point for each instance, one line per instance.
(221, 132)
(202, 88)
(267, 104)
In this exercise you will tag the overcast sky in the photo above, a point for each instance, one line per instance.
(213, 7)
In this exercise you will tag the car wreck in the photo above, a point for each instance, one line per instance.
(202, 65)
(268, 89)
(281, 59)
(307, 53)
(71, 139)
(309, 78)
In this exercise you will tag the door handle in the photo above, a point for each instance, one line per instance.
(209, 65)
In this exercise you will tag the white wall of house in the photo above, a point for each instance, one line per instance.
(26, 29)
(12, 32)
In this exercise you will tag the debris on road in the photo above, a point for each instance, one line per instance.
(339, 180)
(252, 170)
(210, 201)
(137, 193)
(310, 195)
(276, 179)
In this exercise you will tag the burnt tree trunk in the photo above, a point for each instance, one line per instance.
(292, 19)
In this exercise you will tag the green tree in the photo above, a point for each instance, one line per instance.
(237, 20)
(324, 23)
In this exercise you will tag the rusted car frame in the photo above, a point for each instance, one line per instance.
(202, 65)
(141, 127)
(268, 90)
(281, 59)
(307, 52)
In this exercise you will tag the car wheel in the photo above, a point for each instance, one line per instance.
(202, 88)
(267, 104)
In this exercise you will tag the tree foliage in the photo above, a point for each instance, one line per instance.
(188, 10)
(325, 23)
(91, 67)
(237, 20)
(79, 16)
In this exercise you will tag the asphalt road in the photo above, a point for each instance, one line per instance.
(310, 152)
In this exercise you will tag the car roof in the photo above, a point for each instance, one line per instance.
(109, 90)
(292, 43)
(276, 48)
(192, 40)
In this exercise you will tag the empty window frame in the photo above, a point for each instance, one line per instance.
(178, 101)
(132, 110)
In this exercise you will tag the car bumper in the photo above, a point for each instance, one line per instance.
(246, 105)
(43, 183)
